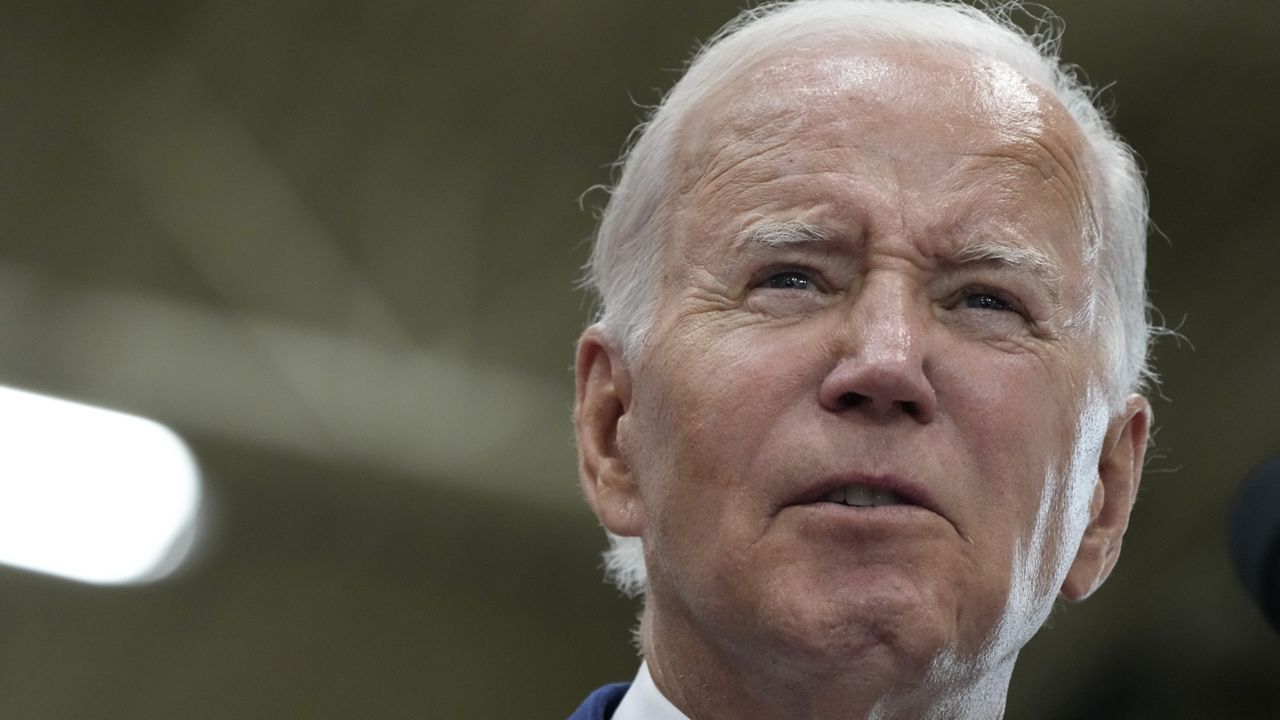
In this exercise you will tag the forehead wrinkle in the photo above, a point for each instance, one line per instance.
(716, 161)
(1056, 156)
(1057, 170)
(1058, 175)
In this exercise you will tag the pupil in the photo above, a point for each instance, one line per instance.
(789, 281)
(986, 302)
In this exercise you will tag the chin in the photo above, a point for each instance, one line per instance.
(883, 635)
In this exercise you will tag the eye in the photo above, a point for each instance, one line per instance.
(985, 310)
(789, 290)
(987, 301)
(789, 280)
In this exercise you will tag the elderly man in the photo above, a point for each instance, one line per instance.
(863, 398)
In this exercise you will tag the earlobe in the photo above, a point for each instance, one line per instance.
(600, 419)
(1119, 473)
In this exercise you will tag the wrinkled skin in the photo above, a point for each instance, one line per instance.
(877, 273)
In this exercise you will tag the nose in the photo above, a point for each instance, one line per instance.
(879, 358)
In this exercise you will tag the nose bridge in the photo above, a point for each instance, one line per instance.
(884, 321)
(879, 365)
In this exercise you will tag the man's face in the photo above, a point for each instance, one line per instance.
(875, 293)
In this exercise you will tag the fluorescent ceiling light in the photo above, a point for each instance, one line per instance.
(91, 494)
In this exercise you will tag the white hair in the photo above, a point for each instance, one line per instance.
(625, 266)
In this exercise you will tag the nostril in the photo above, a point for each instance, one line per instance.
(883, 390)
(850, 400)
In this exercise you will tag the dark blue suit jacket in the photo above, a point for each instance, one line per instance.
(601, 703)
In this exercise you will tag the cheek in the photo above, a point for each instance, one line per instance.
(1026, 428)
(1014, 416)
(1068, 493)
(711, 407)
(734, 389)
(1013, 421)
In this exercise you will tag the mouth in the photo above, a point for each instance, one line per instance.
(864, 496)
(860, 501)
(864, 491)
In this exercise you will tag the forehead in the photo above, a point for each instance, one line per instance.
(973, 130)
(897, 79)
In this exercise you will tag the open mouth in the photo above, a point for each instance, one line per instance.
(863, 496)
(902, 500)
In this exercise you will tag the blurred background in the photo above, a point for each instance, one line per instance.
(333, 244)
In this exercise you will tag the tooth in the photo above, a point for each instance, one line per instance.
(835, 496)
(861, 496)
(888, 497)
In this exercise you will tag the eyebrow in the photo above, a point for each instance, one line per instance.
(1020, 258)
(984, 252)
(782, 234)
(1014, 257)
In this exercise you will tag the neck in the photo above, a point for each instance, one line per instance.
(716, 681)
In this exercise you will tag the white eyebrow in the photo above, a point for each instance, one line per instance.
(782, 234)
(1015, 257)
(1011, 256)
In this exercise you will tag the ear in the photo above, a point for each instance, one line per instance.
(599, 422)
(1119, 472)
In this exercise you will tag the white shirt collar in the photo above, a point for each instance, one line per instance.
(644, 701)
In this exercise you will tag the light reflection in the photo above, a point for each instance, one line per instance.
(90, 494)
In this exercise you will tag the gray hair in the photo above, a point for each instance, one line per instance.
(625, 266)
